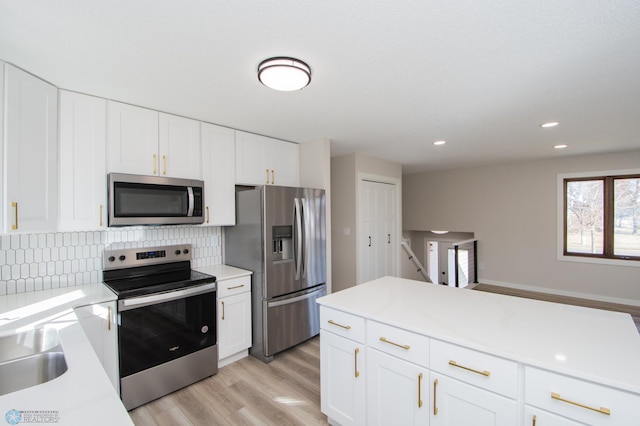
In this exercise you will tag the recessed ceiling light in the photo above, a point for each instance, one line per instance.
(549, 124)
(284, 74)
(439, 142)
(560, 146)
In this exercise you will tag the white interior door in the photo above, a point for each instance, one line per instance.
(378, 239)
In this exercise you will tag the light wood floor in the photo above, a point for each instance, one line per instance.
(285, 391)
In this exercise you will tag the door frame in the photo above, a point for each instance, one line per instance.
(398, 186)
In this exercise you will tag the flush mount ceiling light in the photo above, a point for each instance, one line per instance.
(284, 74)
(439, 142)
(439, 232)
(560, 146)
(549, 124)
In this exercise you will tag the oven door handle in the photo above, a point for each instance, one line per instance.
(154, 299)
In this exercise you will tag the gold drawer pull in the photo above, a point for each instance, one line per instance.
(601, 410)
(164, 162)
(235, 286)
(108, 317)
(420, 390)
(14, 204)
(355, 361)
(405, 347)
(207, 214)
(534, 420)
(484, 373)
(101, 215)
(267, 181)
(346, 327)
(155, 162)
(435, 392)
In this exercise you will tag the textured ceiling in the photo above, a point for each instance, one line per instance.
(389, 77)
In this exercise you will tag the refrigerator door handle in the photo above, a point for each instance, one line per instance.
(297, 245)
(305, 237)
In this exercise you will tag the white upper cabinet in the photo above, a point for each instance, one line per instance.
(265, 161)
(147, 142)
(30, 153)
(82, 162)
(132, 139)
(180, 150)
(219, 174)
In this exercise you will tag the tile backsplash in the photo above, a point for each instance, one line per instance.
(30, 262)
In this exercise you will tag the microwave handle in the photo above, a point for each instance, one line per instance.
(191, 201)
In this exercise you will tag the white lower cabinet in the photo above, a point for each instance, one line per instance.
(342, 382)
(397, 391)
(536, 417)
(455, 403)
(234, 319)
(98, 323)
(579, 400)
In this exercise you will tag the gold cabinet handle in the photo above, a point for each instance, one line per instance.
(108, 317)
(155, 169)
(601, 410)
(346, 327)
(164, 164)
(14, 204)
(484, 373)
(100, 214)
(207, 214)
(405, 347)
(534, 420)
(222, 310)
(267, 181)
(273, 179)
(435, 391)
(355, 362)
(420, 390)
(235, 286)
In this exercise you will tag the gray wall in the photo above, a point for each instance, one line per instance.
(344, 211)
(512, 210)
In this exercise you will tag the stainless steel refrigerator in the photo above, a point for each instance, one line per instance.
(280, 236)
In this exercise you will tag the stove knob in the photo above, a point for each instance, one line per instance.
(122, 257)
(111, 258)
(186, 251)
(178, 252)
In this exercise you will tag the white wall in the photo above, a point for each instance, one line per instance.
(511, 209)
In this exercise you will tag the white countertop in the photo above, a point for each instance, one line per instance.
(224, 272)
(83, 394)
(593, 344)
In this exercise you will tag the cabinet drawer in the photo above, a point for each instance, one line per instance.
(398, 342)
(234, 286)
(483, 370)
(343, 324)
(580, 400)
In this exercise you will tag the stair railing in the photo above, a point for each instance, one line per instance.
(412, 257)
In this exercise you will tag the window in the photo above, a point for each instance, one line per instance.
(602, 217)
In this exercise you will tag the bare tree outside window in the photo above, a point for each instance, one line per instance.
(626, 240)
(585, 215)
(602, 217)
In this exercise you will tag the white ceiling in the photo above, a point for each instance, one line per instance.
(389, 77)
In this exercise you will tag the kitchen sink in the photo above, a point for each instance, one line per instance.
(30, 358)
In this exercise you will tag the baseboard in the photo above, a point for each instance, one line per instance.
(555, 292)
(233, 358)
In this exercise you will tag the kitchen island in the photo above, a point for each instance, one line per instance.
(422, 353)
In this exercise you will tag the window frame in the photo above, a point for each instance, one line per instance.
(607, 257)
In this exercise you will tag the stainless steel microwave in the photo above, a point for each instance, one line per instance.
(154, 200)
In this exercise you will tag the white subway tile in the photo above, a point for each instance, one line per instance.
(82, 239)
(33, 270)
(55, 253)
(46, 283)
(15, 272)
(15, 241)
(33, 241)
(37, 255)
(3, 288)
(51, 240)
(59, 239)
(19, 256)
(24, 241)
(55, 281)
(42, 240)
(11, 287)
(20, 286)
(5, 242)
(39, 284)
(46, 254)
(30, 284)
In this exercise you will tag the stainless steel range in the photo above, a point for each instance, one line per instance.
(167, 331)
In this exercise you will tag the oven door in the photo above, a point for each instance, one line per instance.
(159, 328)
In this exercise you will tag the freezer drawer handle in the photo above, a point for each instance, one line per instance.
(346, 327)
(601, 410)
